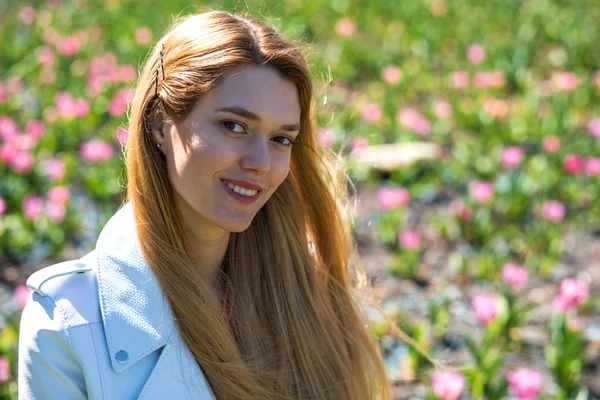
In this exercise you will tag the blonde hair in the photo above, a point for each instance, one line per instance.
(296, 329)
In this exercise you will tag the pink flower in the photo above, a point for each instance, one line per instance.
(345, 27)
(143, 35)
(126, 73)
(122, 136)
(461, 210)
(460, 79)
(485, 79)
(442, 109)
(54, 169)
(8, 128)
(27, 15)
(35, 129)
(512, 157)
(22, 162)
(32, 207)
(65, 105)
(95, 151)
(59, 195)
(81, 107)
(2, 206)
(515, 275)
(592, 166)
(594, 127)
(552, 144)
(567, 81)
(414, 120)
(46, 57)
(4, 369)
(553, 210)
(390, 198)
(118, 105)
(360, 143)
(21, 295)
(8, 153)
(574, 164)
(497, 108)
(69, 46)
(476, 54)
(56, 212)
(525, 383)
(326, 137)
(481, 191)
(371, 112)
(571, 295)
(391, 75)
(447, 385)
(409, 240)
(486, 307)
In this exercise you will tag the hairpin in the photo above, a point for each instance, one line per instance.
(162, 67)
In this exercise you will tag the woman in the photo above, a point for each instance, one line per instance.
(228, 272)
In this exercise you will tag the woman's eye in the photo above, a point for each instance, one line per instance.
(289, 142)
(228, 125)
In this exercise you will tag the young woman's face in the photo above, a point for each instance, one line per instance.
(239, 131)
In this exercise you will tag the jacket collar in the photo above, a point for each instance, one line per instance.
(136, 316)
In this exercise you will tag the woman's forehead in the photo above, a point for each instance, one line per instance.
(260, 90)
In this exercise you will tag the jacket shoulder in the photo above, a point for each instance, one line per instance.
(72, 286)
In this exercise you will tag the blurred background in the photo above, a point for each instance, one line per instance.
(471, 132)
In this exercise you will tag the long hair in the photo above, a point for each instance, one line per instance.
(296, 330)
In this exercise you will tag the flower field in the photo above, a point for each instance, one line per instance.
(485, 250)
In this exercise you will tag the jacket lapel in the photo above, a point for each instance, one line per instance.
(137, 319)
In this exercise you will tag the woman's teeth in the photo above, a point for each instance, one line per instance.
(241, 190)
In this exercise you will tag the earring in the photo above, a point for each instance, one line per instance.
(158, 146)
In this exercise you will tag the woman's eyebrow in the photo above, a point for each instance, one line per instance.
(242, 112)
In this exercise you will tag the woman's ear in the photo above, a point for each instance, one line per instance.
(161, 130)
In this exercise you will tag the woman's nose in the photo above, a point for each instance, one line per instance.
(257, 155)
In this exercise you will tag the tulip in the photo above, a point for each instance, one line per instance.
(553, 210)
(515, 275)
(21, 296)
(486, 307)
(525, 383)
(460, 79)
(326, 137)
(571, 295)
(481, 191)
(143, 35)
(390, 198)
(32, 207)
(447, 385)
(371, 113)
(95, 151)
(476, 54)
(345, 27)
(391, 75)
(552, 144)
(442, 109)
(512, 157)
(592, 166)
(409, 240)
(574, 164)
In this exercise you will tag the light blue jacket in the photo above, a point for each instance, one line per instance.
(100, 328)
